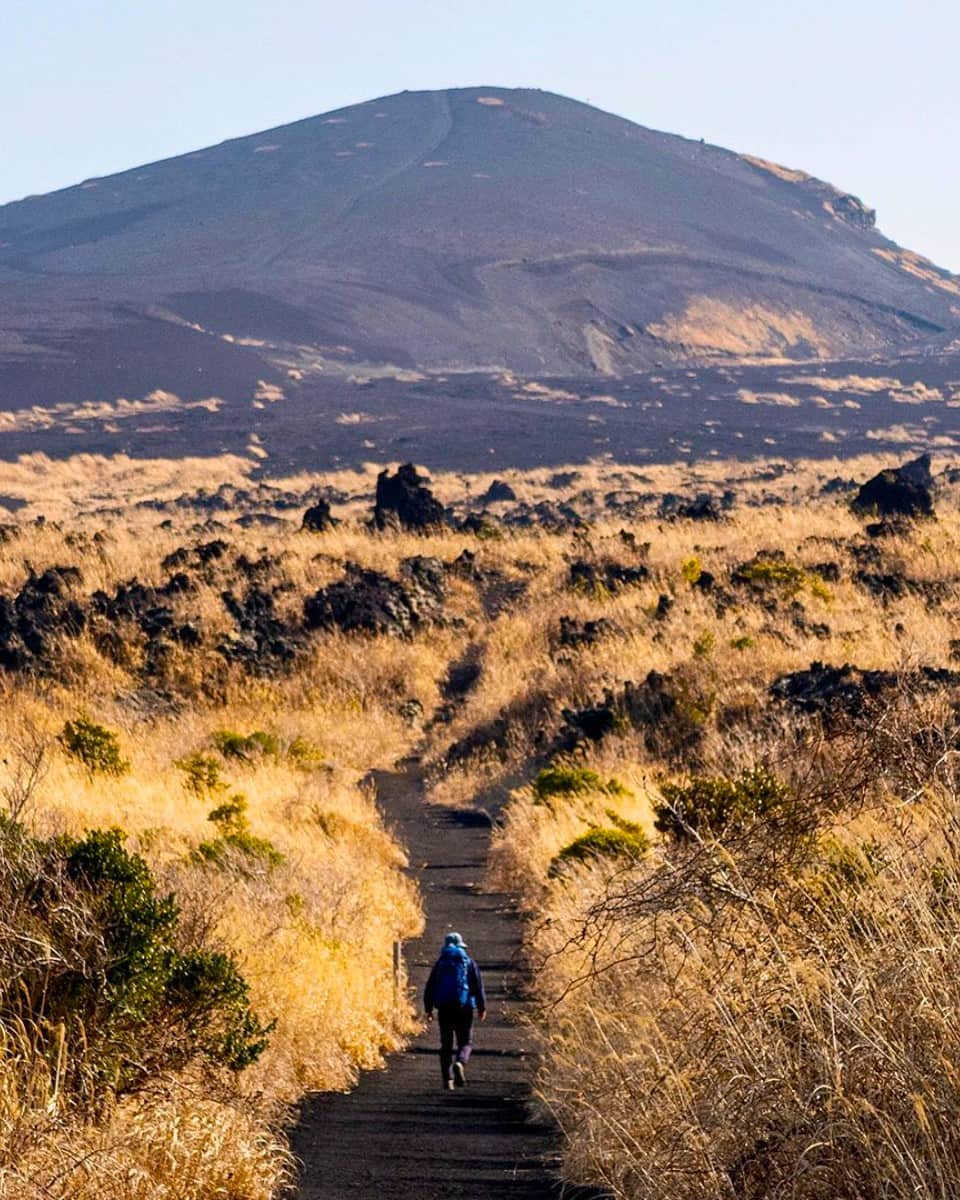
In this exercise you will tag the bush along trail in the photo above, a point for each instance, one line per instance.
(398, 1134)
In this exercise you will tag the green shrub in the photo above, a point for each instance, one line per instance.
(704, 644)
(305, 755)
(772, 573)
(573, 781)
(712, 806)
(208, 985)
(231, 812)
(486, 530)
(235, 845)
(839, 884)
(848, 867)
(691, 569)
(628, 842)
(623, 824)
(944, 884)
(94, 746)
(744, 642)
(134, 1003)
(202, 774)
(246, 747)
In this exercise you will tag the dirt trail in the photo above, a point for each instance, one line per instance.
(398, 1135)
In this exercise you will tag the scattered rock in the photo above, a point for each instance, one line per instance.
(370, 602)
(894, 585)
(885, 587)
(195, 556)
(849, 691)
(263, 642)
(317, 518)
(497, 491)
(829, 572)
(524, 721)
(464, 674)
(43, 610)
(594, 577)
(405, 501)
(817, 629)
(905, 491)
(545, 515)
(257, 568)
(591, 723)
(837, 485)
(866, 555)
(411, 711)
(661, 707)
(497, 591)
(664, 605)
(261, 520)
(480, 524)
(703, 507)
(891, 527)
(563, 479)
(491, 739)
(466, 567)
(229, 498)
(576, 634)
(628, 502)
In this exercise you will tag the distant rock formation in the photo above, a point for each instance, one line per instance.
(905, 491)
(405, 501)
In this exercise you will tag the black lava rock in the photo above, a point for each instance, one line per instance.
(42, 611)
(263, 643)
(574, 633)
(610, 576)
(905, 491)
(366, 601)
(405, 501)
(702, 507)
(317, 518)
(847, 690)
(498, 490)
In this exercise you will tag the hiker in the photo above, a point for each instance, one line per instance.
(455, 990)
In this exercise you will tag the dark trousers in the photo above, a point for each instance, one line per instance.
(455, 1021)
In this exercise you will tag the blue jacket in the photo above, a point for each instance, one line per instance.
(477, 999)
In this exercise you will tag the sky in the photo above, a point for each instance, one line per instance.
(864, 93)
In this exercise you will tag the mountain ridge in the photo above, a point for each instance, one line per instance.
(428, 234)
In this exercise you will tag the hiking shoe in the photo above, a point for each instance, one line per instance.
(448, 1086)
(459, 1075)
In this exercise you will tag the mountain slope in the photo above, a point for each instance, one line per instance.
(471, 229)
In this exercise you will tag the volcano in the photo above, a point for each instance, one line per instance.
(471, 232)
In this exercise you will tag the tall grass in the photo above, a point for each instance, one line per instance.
(769, 1012)
(740, 1019)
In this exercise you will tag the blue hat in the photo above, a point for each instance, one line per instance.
(454, 939)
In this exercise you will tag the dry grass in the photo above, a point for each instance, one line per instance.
(798, 1039)
(313, 936)
(666, 1070)
(713, 1033)
(714, 326)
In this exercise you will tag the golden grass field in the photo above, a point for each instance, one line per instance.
(769, 1012)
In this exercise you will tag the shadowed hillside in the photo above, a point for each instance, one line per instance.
(465, 231)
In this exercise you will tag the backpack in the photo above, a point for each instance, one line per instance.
(452, 982)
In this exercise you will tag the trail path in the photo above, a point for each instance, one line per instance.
(398, 1135)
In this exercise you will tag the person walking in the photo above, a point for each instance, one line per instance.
(455, 990)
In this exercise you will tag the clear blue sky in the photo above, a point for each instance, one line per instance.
(864, 93)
